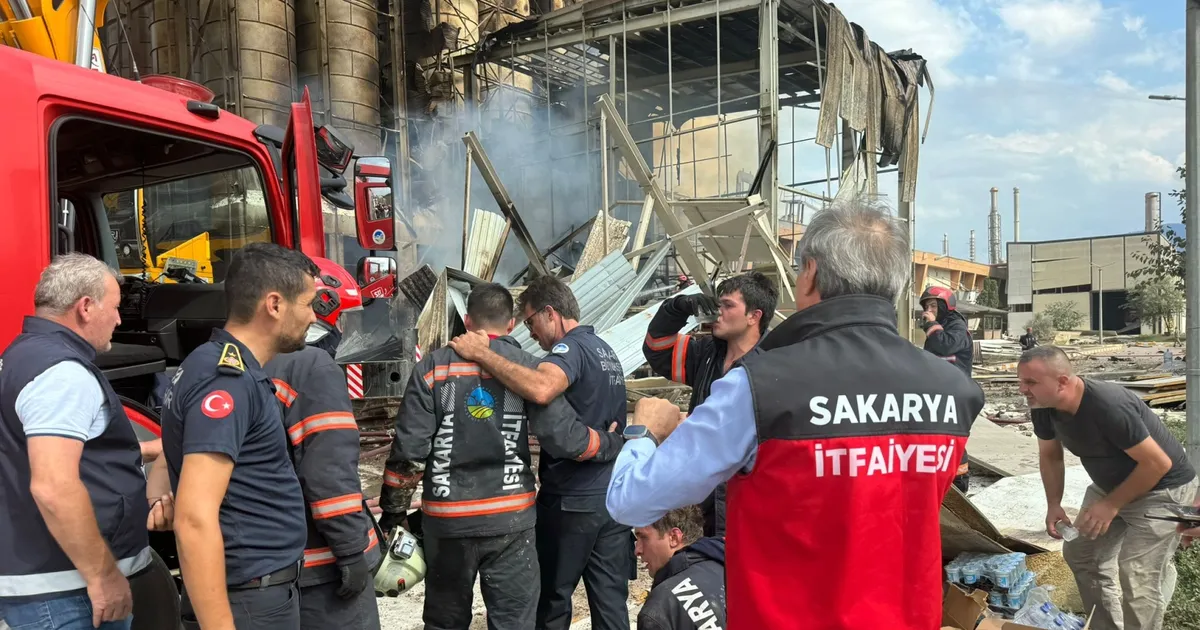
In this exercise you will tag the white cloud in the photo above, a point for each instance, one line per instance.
(1055, 24)
(1134, 24)
(1115, 83)
(932, 30)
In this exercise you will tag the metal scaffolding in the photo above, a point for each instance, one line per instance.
(700, 85)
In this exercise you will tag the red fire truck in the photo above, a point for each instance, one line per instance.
(77, 137)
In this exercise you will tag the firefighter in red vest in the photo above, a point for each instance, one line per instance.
(343, 545)
(839, 441)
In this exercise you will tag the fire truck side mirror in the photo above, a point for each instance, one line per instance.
(374, 213)
(376, 277)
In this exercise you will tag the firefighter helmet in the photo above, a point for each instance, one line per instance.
(403, 565)
(946, 296)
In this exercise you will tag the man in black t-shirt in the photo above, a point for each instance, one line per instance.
(576, 537)
(1135, 466)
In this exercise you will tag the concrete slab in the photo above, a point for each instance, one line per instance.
(1006, 449)
(1016, 506)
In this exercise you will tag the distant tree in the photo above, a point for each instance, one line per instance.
(1165, 259)
(1043, 328)
(1155, 298)
(1063, 315)
(990, 295)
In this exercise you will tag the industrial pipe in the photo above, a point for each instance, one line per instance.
(85, 23)
(1192, 213)
(1016, 214)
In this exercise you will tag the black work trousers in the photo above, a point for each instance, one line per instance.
(508, 568)
(576, 538)
(276, 607)
(322, 609)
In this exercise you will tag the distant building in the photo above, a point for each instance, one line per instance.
(1070, 270)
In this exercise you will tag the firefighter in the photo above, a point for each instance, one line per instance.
(576, 537)
(689, 573)
(469, 435)
(743, 307)
(342, 551)
(239, 508)
(839, 441)
(946, 336)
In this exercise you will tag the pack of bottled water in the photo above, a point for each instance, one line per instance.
(1040, 612)
(1005, 576)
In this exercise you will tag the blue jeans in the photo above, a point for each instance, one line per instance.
(67, 612)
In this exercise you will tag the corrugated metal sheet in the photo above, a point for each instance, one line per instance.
(626, 337)
(630, 293)
(597, 292)
(487, 237)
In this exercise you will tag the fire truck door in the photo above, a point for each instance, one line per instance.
(301, 180)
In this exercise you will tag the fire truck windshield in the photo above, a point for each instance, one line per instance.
(197, 222)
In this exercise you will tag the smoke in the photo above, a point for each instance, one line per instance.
(547, 157)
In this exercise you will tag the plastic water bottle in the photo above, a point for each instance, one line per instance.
(1068, 532)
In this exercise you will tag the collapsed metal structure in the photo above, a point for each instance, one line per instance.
(675, 117)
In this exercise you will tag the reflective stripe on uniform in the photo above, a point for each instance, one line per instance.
(658, 344)
(337, 506)
(479, 507)
(679, 359)
(324, 555)
(321, 422)
(951, 358)
(60, 581)
(284, 392)
(454, 370)
(593, 446)
(396, 480)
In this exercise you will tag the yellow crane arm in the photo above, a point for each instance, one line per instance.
(36, 26)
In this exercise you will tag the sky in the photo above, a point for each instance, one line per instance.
(1046, 95)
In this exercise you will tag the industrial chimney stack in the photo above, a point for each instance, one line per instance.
(1016, 214)
(945, 244)
(995, 253)
(972, 246)
(1153, 212)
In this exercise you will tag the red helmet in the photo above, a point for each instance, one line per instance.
(337, 292)
(940, 293)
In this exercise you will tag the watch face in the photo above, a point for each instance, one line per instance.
(634, 431)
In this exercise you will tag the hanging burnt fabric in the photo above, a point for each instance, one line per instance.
(836, 31)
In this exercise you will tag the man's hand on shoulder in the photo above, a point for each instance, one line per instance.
(658, 415)
(471, 345)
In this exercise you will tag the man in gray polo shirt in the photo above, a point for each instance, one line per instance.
(1122, 561)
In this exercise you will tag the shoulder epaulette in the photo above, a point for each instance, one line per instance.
(231, 360)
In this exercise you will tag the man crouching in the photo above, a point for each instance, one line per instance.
(689, 574)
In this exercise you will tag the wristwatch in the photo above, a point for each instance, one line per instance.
(635, 431)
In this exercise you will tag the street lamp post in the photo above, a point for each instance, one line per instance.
(1100, 295)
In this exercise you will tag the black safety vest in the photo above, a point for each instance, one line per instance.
(110, 468)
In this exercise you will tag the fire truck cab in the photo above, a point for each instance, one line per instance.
(77, 138)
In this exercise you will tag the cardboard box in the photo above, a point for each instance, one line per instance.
(962, 610)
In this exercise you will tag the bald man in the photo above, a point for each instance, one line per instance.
(1122, 561)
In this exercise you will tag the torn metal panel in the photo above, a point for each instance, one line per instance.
(431, 325)
(596, 292)
(484, 163)
(626, 337)
(485, 243)
(621, 305)
(596, 249)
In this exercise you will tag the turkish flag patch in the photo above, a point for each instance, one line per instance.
(217, 404)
